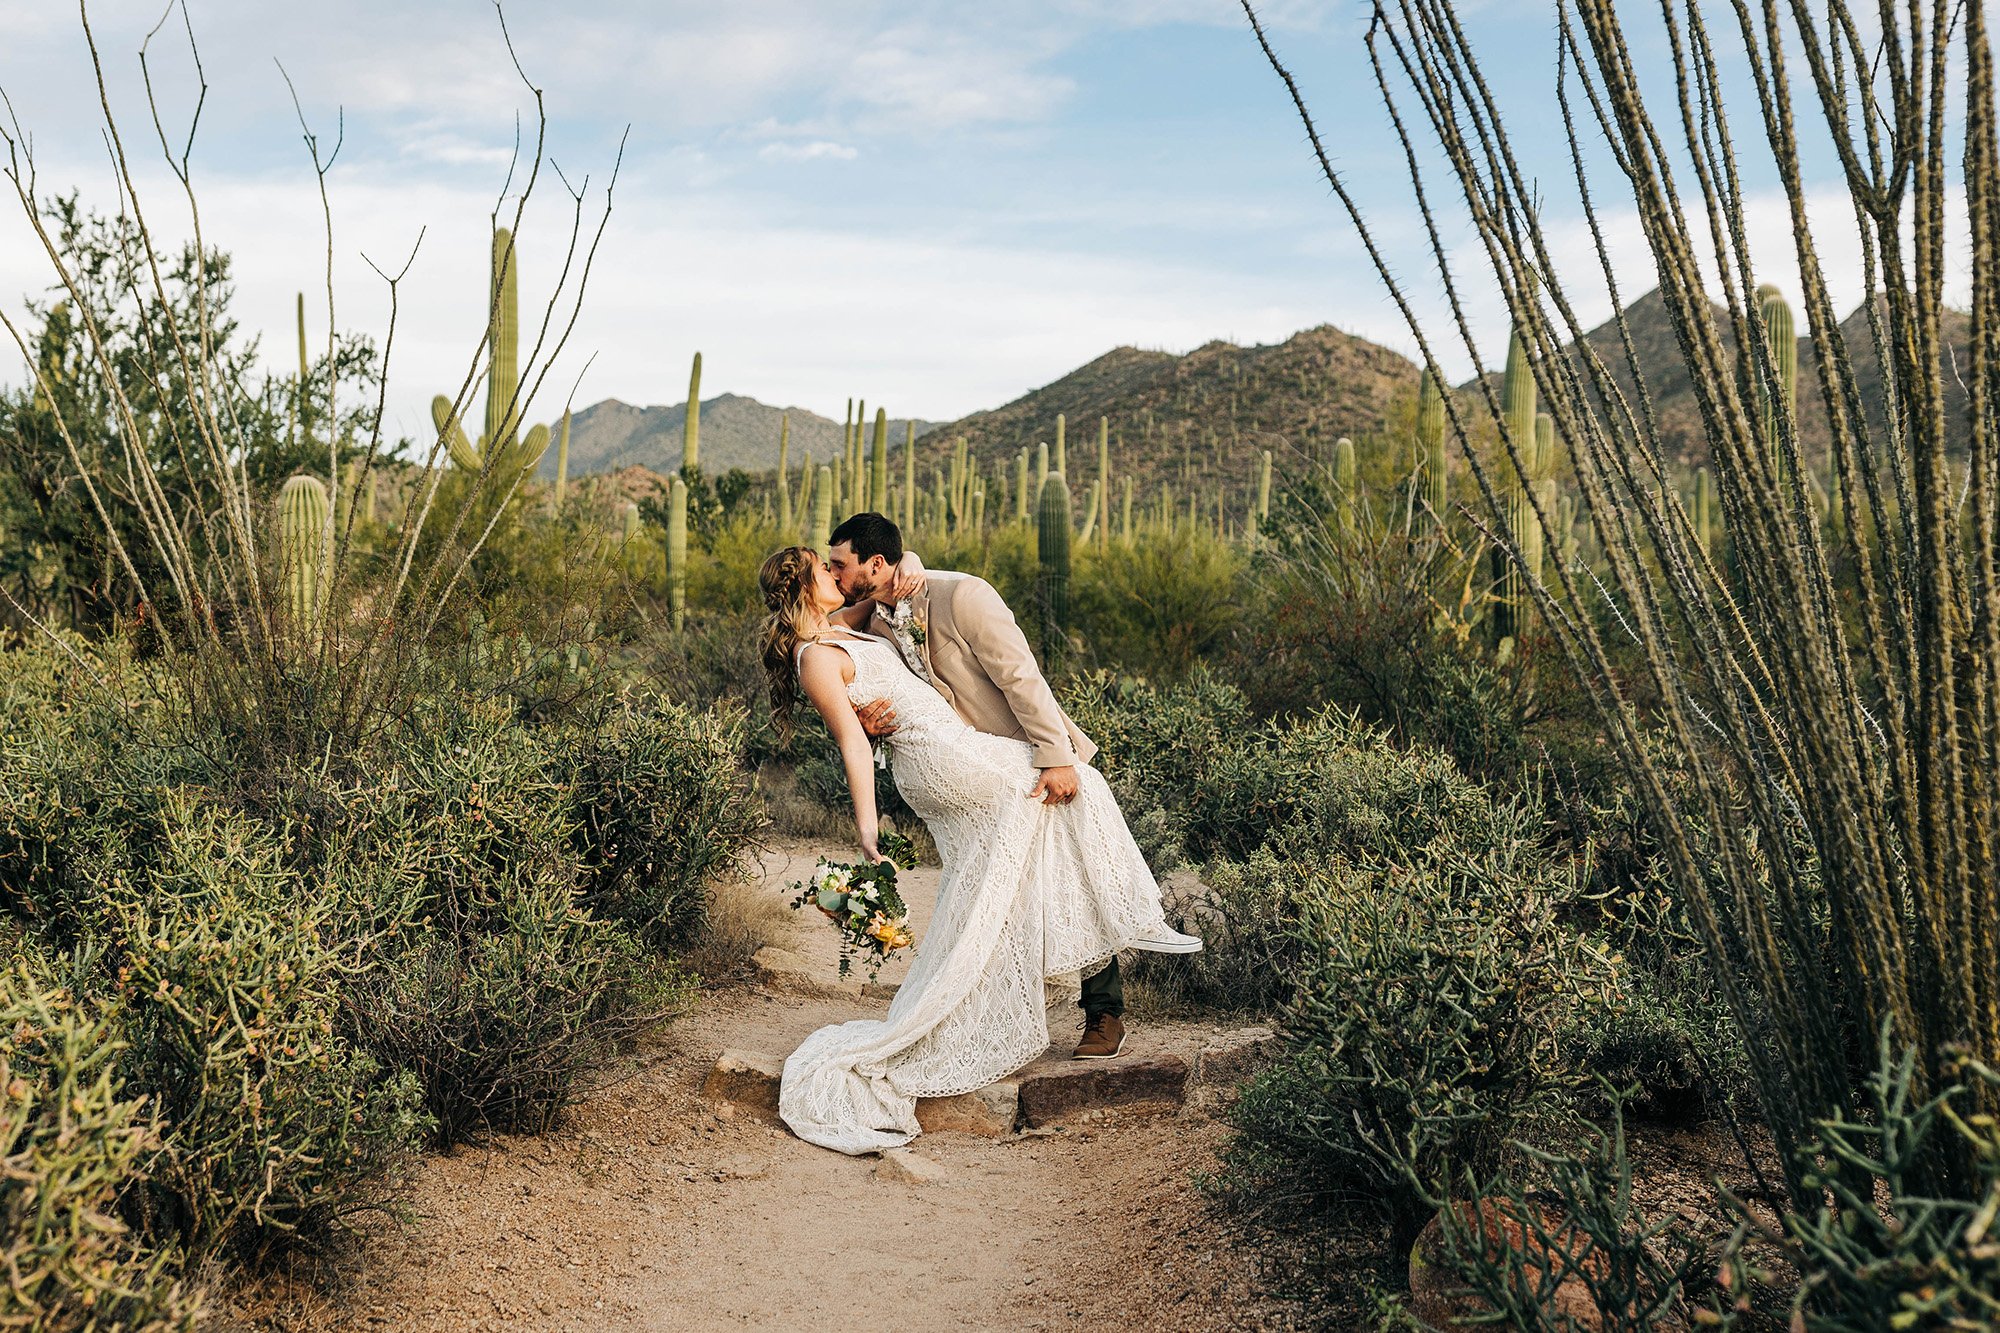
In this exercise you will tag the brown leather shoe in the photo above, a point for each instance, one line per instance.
(1103, 1036)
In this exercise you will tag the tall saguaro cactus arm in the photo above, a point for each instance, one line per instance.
(691, 423)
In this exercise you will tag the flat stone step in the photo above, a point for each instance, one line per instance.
(1051, 1091)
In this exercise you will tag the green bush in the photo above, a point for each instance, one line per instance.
(73, 1145)
(500, 1024)
(1161, 603)
(273, 1119)
(1423, 1035)
(659, 805)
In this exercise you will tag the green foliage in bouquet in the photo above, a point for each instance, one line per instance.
(864, 903)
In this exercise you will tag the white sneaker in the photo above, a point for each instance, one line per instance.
(1167, 941)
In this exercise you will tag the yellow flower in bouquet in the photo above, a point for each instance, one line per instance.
(893, 934)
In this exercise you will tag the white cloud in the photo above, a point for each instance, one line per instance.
(808, 152)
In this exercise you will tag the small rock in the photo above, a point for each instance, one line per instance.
(1067, 1089)
(1438, 1299)
(991, 1112)
(1234, 1056)
(747, 1081)
(901, 1166)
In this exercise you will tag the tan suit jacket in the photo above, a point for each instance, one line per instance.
(981, 663)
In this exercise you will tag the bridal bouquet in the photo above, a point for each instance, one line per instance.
(864, 904)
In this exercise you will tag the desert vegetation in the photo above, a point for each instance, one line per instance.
(1592, 756)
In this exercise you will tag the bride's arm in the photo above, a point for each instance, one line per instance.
(822, 675)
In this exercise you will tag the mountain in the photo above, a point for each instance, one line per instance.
(1206, 416)
(1682, 436)
(735, 432)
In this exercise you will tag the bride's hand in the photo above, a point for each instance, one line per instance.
(909, 578)
(868, 847)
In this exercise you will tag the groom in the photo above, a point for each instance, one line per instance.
(957, 634)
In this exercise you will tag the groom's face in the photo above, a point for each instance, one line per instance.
(859, 580)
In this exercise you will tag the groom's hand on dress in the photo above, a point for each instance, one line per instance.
(1056, 786)
(878, 718)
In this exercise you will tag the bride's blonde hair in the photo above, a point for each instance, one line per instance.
(786, 581)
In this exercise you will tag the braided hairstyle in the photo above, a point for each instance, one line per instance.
(787, 580)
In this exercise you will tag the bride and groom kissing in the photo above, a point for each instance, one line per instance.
(1041, 885)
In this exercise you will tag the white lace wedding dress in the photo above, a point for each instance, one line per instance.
(1031, 896)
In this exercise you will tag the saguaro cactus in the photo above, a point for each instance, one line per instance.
(1263, 500)
(1052, 517)
(1021, 485)
(500, 450)
(304, 513)
(1784, 336)
(910, 476)
(1431, 463)
(562, 464)
(1062, 451)
(878, 472)
(1517, 400)
(822, 512)
(1104, 480)
(677, 551)
(691, 422)
(784, 472)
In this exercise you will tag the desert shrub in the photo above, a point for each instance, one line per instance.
(73, 1144)
(722, 570)
(1158, 743)
(273, 1119)
(500, 1023)
(659, 808)
(1423, 1035)
(1160, 602)
(1663, 1035)
(1358, 793)
(1885, 1249)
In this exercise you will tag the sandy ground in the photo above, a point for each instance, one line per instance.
(649, 1210)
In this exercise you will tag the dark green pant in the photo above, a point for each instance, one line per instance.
(1104, 992)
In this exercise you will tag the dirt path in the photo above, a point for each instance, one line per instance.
(649, 1210)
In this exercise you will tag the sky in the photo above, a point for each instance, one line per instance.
(930, 204)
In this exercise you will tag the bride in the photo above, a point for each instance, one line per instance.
(1031, 896)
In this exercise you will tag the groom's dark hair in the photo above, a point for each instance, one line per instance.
(870, 535)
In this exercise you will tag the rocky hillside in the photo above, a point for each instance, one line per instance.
(735, 432)
(1673, 393)
(1206, 416)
